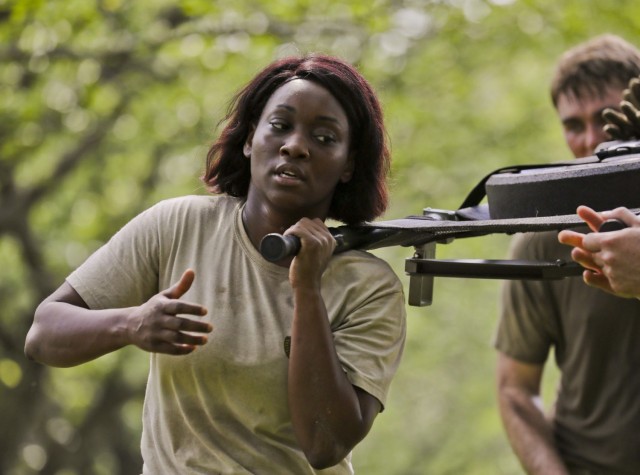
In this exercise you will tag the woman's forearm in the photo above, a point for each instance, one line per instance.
(325, 407)
(66, 335)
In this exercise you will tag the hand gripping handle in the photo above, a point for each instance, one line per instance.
(612, 225)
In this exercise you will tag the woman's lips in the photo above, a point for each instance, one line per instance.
(287, 173)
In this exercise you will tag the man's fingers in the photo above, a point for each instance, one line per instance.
(181, 287)
(613, 131)
(631, 112)
(570, 238)
(616, 125)
(624, 215)
(633, 95)
(614, 117)
(593, 219)
(585, 259)
(619, 120)
(592, 243)
(598, 280)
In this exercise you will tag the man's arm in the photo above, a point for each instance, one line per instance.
(528, 431)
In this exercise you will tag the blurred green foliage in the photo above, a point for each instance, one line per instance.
(107, 106)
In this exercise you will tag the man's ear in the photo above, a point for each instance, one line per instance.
(246, 149)
(349, 168)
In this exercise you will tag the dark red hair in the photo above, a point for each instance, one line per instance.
(365, 196)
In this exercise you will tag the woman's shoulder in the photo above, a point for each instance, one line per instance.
(355, 265)
(190, 205)
(198, 202)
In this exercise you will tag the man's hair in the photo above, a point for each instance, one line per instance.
(362, 198)
(592, 67)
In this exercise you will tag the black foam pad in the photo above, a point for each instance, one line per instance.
(560, 190)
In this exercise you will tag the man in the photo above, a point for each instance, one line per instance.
(612, 260)
(594, 428)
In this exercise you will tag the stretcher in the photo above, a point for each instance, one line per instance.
(514, 199)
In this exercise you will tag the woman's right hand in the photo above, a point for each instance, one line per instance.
(159, 326)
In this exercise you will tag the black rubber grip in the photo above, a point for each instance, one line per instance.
(275, 247)
(611, 225)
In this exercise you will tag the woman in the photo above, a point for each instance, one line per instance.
(275, 367)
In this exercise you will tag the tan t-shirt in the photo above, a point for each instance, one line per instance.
(596, 339)
(223, 409)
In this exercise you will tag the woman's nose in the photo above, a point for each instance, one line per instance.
(295, 146)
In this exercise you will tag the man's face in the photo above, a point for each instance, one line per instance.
(582, 120)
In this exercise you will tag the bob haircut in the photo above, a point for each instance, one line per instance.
(362, 198)
(592, 67)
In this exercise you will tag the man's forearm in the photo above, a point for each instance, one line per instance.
(529, 434)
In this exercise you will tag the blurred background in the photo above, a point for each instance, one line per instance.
(107, 106)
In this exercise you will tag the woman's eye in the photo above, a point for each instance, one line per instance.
(276, 124)
(326, 138)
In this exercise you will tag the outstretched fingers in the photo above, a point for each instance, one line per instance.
(618, 125)
(571, 238)
(632, 114)
(623, 214)
(632, 93)
(598, 280)
(165, 324)
(593, 219)
(585, 259)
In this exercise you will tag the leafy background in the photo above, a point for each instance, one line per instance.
(107, 106)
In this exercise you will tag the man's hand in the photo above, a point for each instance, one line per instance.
(156, 327)
(611, 259)
(625, 124)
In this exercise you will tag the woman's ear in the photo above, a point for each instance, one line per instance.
(246, 149)
(349, 168)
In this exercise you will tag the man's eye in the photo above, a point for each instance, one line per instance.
(574, 127)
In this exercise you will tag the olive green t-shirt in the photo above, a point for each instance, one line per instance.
(223, 409)
(596, 339)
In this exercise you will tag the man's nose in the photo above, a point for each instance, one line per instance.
(595, 135)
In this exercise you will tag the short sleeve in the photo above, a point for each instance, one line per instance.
(370, 335)
(124, 271)
(527, 326)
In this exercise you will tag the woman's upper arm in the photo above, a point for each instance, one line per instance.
(45, 321)
(65, 294)
(370, 407)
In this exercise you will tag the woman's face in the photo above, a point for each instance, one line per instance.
(299, 151)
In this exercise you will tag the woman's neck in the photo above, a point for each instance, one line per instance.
(260, 220)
